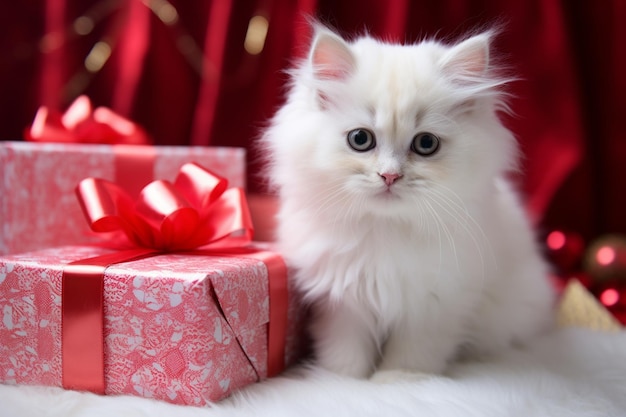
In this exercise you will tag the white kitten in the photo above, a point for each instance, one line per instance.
(407, 239)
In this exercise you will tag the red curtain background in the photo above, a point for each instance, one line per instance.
(179, 68)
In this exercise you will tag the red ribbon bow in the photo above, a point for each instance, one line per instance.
(196, 210)
(81, 124)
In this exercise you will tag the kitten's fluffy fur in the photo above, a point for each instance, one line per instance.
(406, 275)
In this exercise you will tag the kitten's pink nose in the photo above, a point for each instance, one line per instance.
(390, 178)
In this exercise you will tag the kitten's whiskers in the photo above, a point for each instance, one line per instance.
(442, 226)
(326, 199)
(461, 208)
(464, 225)
(461, 215)
(430, 209)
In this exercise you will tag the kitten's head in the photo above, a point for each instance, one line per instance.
(377, 128)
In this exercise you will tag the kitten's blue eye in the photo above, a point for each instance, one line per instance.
(361, 140)
(425, 144)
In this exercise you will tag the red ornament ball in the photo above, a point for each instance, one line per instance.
(565, 250)
(605, 258)
(612, 295)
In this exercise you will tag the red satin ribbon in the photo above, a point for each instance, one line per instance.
(82, 124)
(82, 336)
(134, 166)
(277, 327)
(197, 210)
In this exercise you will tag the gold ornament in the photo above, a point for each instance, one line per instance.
(579, 308)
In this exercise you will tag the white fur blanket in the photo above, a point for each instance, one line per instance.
(573, 372)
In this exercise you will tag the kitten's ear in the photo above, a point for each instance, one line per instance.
(330, 56)
(468, 59)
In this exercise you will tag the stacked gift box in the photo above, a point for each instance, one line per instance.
(185, 328)
(39, 209)
(184, 324)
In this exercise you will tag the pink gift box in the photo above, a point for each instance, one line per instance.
(38, 207)
(184, 328)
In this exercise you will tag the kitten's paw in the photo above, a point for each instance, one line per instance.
(391, 376)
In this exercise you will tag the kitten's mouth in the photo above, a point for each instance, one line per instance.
(388, 193)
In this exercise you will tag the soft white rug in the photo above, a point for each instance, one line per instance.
(573, 372)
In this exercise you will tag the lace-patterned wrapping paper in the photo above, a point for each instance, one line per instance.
(184, 328)
(38, 207)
